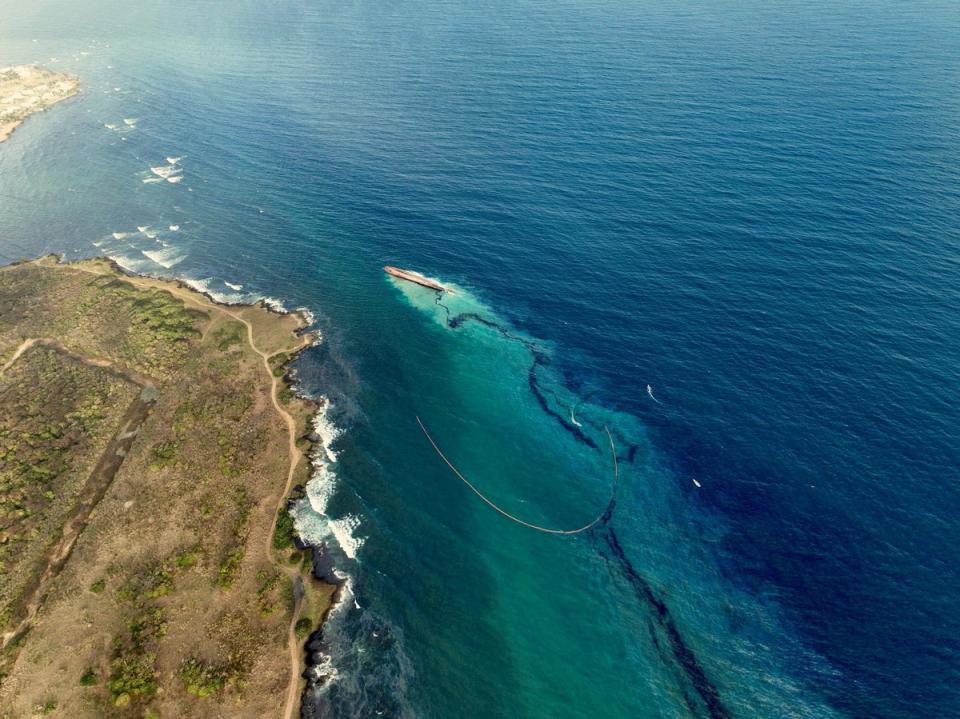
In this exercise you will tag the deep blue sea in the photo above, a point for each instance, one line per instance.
(727, 231)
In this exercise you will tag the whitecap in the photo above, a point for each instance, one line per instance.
(143, 228)
(233, 286)
(167, 257)
(203, 285)
(121, 235)
(130, 264)
(174, 160)
(327, 431)
(342, 530)
(150, 180)
(310, 516)
(274, 304)
(165, 171)
(129, 121)
(174, 228)
(175, 178)
(308, 315)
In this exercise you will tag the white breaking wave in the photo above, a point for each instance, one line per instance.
(130, 264)
(175, 178)
(203, 285)
(308, 315)
(328, 433)
(165, 171)
(152, 180)
(174, 228)
(121, 235)
(233, 286)
(274, 304)
(310, 517)
(173, 160)
(342, 529)
(143, 228)
(129, 121)
(167, 257)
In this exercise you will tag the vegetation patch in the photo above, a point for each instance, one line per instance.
(284, 531)
(303, 628)
(228, 336)
(56, 416)
(132, 678)
(174, 612)
(164, 454)
(202, 679)
(88, 678)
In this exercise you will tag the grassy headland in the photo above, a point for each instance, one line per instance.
(148, 444)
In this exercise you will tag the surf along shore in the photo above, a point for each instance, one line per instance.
(150, 442)
(28, 89)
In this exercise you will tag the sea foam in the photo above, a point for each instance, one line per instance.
(310, 516)
(167, 257)
(165, 171)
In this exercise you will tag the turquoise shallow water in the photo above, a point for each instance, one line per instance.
(751, 209)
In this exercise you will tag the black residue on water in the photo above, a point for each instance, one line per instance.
(540, 359)
(662, 625)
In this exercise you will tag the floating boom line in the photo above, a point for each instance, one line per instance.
(530, 525)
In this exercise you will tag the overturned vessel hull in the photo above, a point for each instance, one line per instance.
(414, 277)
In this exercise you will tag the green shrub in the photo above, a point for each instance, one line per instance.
(187, 559)
(303, 627)
(229, 567)
(88, 678)
(164, 454)
(132, 677)
(203, 680)
(284, 531)
(161, 584)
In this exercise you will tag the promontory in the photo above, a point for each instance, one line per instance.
(149, 443)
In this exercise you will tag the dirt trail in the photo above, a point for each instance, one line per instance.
(292, 572)
(96, 486)
(24, 346)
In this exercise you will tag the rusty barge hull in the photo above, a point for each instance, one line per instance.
(414, 277)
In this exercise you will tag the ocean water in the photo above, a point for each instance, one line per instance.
(727, 232)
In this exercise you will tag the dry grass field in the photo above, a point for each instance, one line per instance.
(147, 446)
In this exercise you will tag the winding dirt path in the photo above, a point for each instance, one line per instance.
(292, 572)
